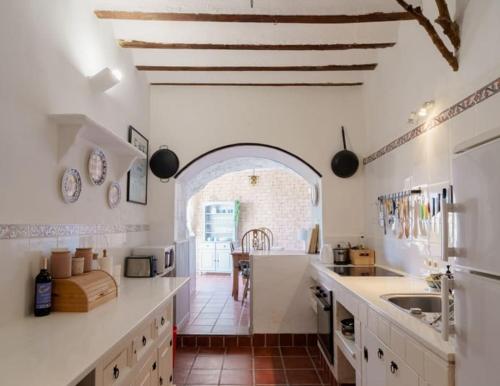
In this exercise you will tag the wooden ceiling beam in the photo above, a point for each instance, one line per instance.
(331, 67)
(252, 18)
(262, 84)
(254, 47)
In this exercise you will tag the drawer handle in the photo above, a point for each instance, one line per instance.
(380, 353)
(171, 378)
(394, 368)
(144, 340)
(170, 342)
(154, 366)
(116, 372)
(162, 321)
(365, 353)
(161, 381)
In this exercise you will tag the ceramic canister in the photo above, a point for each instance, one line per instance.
(87, 254)
(77, 265)
(60, 264)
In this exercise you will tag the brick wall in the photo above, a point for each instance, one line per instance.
(279, 201)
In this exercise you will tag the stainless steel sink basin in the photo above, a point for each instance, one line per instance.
(424, 302)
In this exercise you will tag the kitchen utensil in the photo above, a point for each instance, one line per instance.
(164, 163)
(340, 255)
(345, 163)
(347, 328)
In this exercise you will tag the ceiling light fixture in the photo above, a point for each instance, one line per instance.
(254, 179)
(105, 79)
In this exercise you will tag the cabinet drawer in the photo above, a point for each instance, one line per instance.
(163, 321)
(143, 340)
(116, 370)
(148, 374)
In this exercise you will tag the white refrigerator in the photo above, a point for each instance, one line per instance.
(476, 242)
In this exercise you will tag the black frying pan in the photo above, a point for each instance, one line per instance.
(345, 162)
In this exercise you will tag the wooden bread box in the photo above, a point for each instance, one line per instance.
(84, 292)
(362, 256)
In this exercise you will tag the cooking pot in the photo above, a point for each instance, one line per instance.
(345, 162)
(340, 255)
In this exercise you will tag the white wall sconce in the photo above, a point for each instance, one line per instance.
(424, 111)
(105, 79)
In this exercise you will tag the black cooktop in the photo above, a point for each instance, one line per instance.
(362, 271)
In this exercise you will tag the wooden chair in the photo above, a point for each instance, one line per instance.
(255, 240)
(269, 234)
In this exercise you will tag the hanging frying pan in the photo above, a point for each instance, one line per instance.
(345, 162)
(164, 163)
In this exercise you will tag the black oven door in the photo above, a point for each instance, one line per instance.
(324, 301)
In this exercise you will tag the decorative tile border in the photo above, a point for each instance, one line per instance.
(35, 231)
(470, 101)
(255, 340)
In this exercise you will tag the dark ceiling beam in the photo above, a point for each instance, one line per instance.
(252, 18)
(331, 67)
(254, 47)
(261, 84)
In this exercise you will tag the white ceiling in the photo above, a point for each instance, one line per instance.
(253, 33)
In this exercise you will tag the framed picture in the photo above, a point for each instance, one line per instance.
(137, 178)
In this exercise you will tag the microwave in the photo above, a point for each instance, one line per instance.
(165, 256)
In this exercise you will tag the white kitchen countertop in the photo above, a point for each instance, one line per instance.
(60, 349)
(370, 289)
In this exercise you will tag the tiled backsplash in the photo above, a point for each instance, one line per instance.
(32, 231)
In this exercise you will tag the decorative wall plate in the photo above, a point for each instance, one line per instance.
(315, 195)
(98, 167)
(114, 194)
(71, 186)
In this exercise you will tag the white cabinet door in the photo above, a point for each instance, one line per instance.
(207, 261)
(374, 360)
(398, 373)
(224, 261)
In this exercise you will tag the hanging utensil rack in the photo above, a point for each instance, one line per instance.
(405, 193)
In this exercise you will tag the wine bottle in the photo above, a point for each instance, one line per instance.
(43, 291)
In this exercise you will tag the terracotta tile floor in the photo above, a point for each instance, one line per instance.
(246, 366)
(214, 311)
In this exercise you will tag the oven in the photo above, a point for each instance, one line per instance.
(325, 313)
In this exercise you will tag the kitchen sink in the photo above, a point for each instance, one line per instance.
(422, 302)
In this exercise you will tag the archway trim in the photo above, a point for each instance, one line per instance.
(247, 144)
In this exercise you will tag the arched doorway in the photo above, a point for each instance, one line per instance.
(216, 164)
(232, 158)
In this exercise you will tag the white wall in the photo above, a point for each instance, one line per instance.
(303, 120)
(408, 75)
(48, 50)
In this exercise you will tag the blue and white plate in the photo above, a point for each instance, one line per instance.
(71, 186)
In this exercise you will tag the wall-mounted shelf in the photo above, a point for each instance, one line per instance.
(75, 127)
